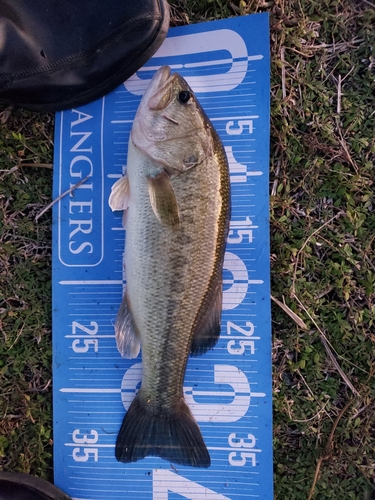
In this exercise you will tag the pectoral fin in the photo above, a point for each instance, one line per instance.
(207, 331)
(163, 199)
(120, 193)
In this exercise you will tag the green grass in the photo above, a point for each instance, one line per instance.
(323, 250)
(322, 253)
(25, 293)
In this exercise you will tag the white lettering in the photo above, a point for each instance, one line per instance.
(235, 295)
(82, 160)
(80, 227)
(81, 205)
(81, 247)
(165, 482)
(244, 455)
(85, 454)
(221, 412)
(87, 343)
(233, 349)
(76, 147)
(239, 329)
(82, 117)
(235, 65)
(203, 412)
(92, 329)
(85, 439)
(131, 379)
(243, 229)
(238, 171)
(231, 129)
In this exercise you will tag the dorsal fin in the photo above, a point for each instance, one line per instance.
(207, 331)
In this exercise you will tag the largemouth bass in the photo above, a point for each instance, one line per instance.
(176, 202)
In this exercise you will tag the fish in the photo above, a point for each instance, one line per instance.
(176, 202)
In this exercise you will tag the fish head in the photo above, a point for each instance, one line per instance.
(170, 126)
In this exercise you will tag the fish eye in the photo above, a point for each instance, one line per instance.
(184, 96)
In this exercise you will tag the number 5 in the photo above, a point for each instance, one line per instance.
(86, 454)
(244, 455)
(230, 130)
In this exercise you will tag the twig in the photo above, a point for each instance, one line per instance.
(312, 418)
(337, 366)
(235, 8)
(306, 384)
(282, 57)
(345, 148)
(42, 165)
(17, 337)
(339, 94)
(293, 292)
(10, 171)
(328, 449)
(45, 209)
(313, 396)
(363, 255)
(358, 412)
(277, 172)
(347, 74)
(329, 350)
(290, 313)
(16, 167)
(333, 46)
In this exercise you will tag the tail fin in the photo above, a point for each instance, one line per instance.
(173, 435)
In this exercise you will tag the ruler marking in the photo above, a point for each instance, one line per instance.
(91, 282)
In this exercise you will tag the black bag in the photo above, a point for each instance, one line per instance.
(61, 54)
(18, 486)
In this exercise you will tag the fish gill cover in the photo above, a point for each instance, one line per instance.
(227, 389)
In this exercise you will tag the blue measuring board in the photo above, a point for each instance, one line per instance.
(229, 388)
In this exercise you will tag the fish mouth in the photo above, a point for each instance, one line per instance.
(160, 90)
(160, 78)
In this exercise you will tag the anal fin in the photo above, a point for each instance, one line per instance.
(207, 331)
(127, 337)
